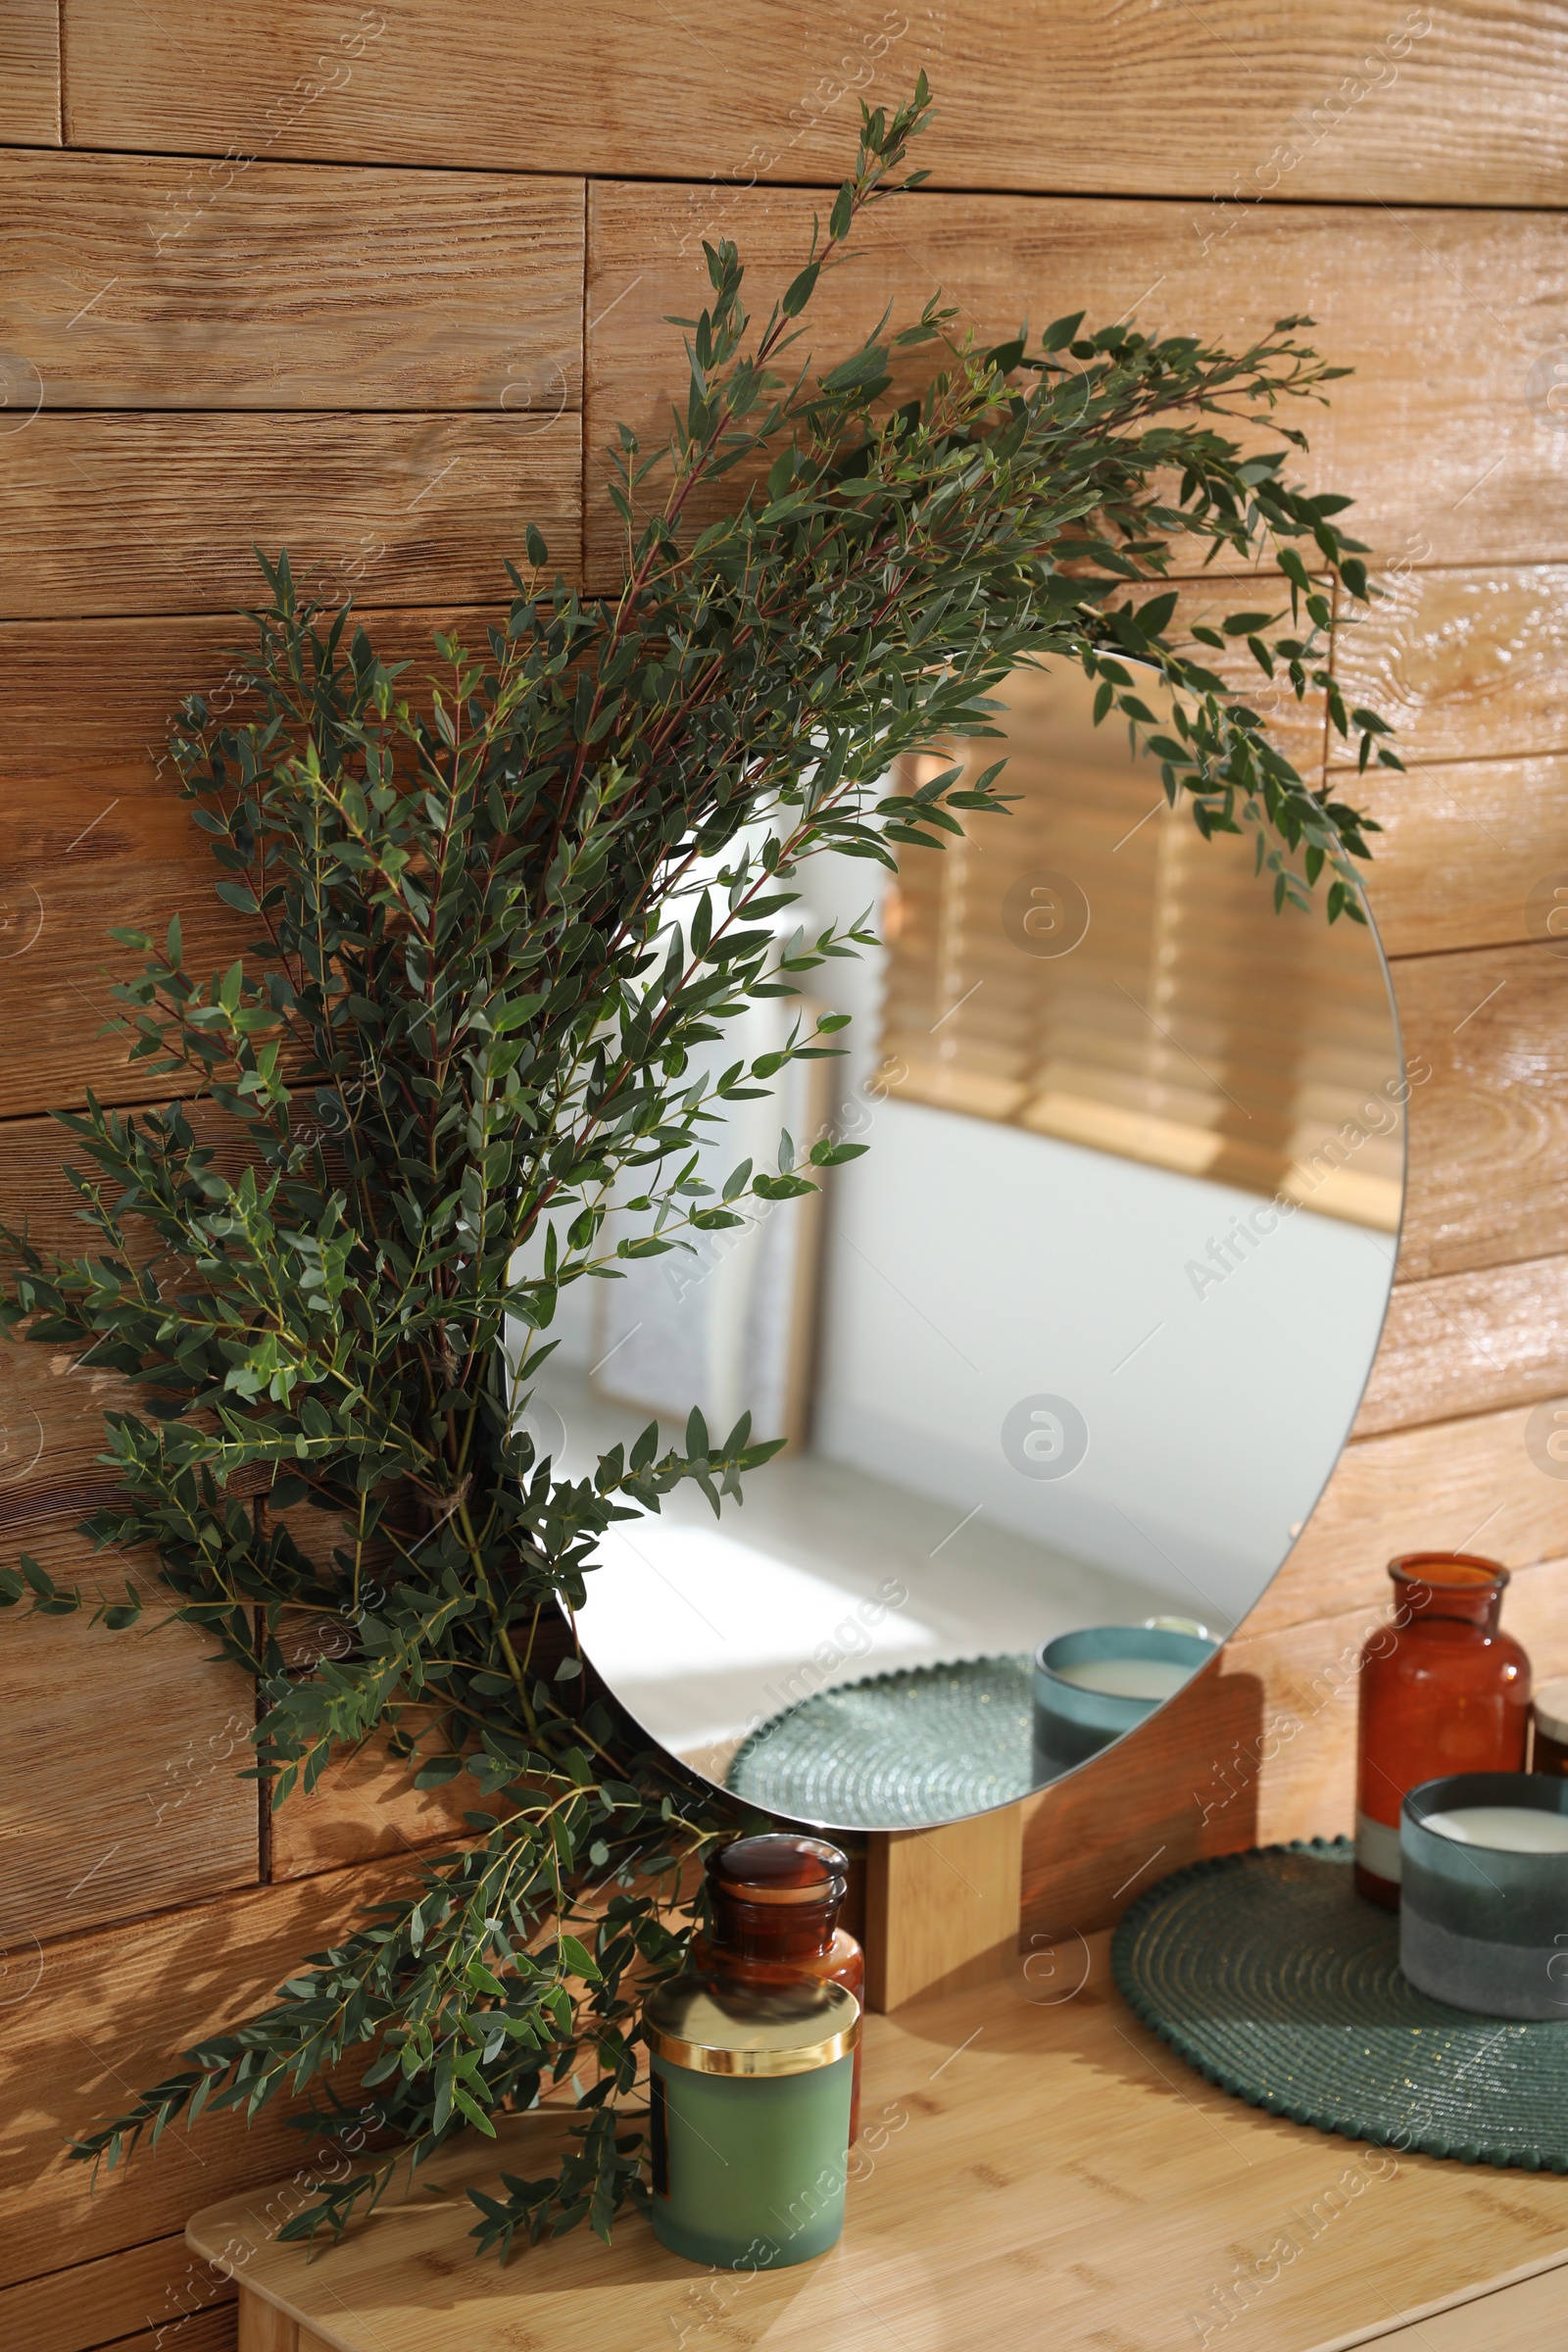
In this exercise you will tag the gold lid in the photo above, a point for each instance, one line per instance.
(712, 2026)
(1551, 1708)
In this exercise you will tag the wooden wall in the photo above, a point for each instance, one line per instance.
(378, 282)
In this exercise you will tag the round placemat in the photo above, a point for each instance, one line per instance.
(1270, 1975)
(897, 1751)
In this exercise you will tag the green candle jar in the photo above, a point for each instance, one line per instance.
(750, 2091)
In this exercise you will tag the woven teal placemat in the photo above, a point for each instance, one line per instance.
(1270, 1975)
(897, 1751)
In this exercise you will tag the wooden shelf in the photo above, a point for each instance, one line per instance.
(1030, 2168)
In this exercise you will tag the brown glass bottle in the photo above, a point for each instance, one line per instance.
(776, 1910)
(1441, 1691)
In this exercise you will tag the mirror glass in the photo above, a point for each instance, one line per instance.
(1064, 1360)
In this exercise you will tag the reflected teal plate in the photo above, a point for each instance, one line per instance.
(898, 1752)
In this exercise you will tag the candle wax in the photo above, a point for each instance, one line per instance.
(1126, 1678)
(1508, 1829)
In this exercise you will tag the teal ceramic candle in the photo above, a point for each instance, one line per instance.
(750, 2093)
(1093, 1685)
(1484, 1893)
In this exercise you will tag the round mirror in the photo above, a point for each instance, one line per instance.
(1063, 1360)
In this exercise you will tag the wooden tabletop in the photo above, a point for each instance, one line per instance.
(1032, 2171)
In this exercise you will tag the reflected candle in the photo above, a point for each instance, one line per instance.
(1092, 1685)
(1127, 1678)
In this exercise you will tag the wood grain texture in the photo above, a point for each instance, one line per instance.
(1489, 1129)
(1531, 2315)
(1472, 1343)
(52, 1441)
(124, 2299)
(119, 1755)
(940, 1905)
(57, 734)
(365, 1806)
(97, 834)
(1311, 101)
(108, 2013)
(134, 283)
(52, 1400)
(1441, 315)
(1027, 2149)
(29, 74)
(83, 859)
(263, 2327)
(1470, 854)
(1449, 1485)
(159, 513)
(1467, 662)
(202, 2332)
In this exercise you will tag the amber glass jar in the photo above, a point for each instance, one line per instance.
(1548, 1751)
(776, 1903)
(1441, 1691)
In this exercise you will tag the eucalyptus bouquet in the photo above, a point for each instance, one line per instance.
(499, 914)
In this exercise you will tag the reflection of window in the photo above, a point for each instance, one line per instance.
(1188, 1025)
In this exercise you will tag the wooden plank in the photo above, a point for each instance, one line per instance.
(1260, 1749)
(29, 74)
(53, 1400)
(124, 2299)
(282, 287)
(1468, 661)
(159, 513)
(98, 834)
(1492, 1029)
(1469, 854)
(1017, 2146)
(1462, 1344)
(1441, 315)
(1452, 1486)
(52, 1441)
(366, 1805)
(119, 1755)
(941, 1904)
(202, 2332)
(108, 2014)
(1447, 104)
(140, 670)
(52, 1403)
(83, 859)
(263, 2327)
(1529, 2317)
